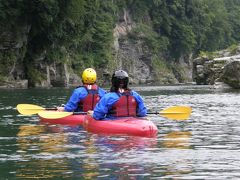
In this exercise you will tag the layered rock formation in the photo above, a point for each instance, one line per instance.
(137, 59)
(220, 70)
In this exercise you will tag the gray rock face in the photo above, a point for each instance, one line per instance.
(218, 70)
(56, 75)
(203, 73)
(231, 74)
(130, 56)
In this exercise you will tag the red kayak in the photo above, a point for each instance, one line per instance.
(132, 126)
(68, 120)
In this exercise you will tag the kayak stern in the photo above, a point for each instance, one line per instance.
(133, 126)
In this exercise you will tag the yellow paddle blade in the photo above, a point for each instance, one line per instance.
(29, 109)
(176, 112)
(54, 114)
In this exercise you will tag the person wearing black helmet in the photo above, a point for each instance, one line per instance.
(120, 101)
(120, 81)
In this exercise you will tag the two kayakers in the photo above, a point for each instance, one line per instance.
(120, 101)
(84, 98)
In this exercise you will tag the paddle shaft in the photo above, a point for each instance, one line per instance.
(165, 112)
(51, 109)
(174, 112)
(152, 112)
(77, 113)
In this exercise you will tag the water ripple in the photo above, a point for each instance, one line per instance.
(205, 146)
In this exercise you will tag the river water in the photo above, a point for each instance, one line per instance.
(206, 146)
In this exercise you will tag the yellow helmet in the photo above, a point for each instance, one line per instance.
(89, 76)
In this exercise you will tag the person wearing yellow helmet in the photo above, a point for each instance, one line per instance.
(89, 76)
(84, 98)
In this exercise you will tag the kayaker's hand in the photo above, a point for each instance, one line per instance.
(90, 113)
(60, 108)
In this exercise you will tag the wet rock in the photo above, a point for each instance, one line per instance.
(22, 84)
(231, 74)
(220, 72)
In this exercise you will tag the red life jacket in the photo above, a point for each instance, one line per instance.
(125, 106)
(89, 102)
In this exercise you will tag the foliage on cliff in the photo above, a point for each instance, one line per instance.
(80, 32)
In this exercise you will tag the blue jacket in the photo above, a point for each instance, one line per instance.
(77, 95)
(105, 104)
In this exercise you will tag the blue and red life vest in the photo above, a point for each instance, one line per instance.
(89, 102)
(125, 106)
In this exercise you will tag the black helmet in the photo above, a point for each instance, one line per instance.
(120, 79)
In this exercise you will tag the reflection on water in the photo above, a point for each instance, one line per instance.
(32, 141)
(42, 169)
(45, 147)
(178, 140)
(28, 130)
(206, 146)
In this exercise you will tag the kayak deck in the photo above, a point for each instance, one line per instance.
(133, 126)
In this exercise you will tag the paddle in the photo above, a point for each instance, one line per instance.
(57, 114)
(174, 112)
(30, 109)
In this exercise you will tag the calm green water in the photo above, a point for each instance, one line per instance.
(206, 146)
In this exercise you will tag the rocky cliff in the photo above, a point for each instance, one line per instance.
(133, 56)
(220, 69)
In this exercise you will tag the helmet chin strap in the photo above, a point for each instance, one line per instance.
(89, 86)
(121, 90)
